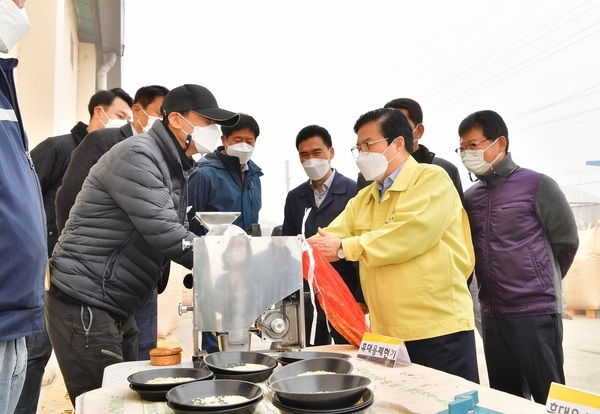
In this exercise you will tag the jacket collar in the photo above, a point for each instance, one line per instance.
(400, 183)
(167, 143)
(504, 168)
(79, 132)
(423, 155)
(231, 163)
(338, 186)
(127, 130)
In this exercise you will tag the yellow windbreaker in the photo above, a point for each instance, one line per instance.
(415, 253)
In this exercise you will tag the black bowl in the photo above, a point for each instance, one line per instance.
(183, 396)
(284, 362)
(320, 391)
(329, 365)
(360, 406)
(158, 392)
(150, 395)
(224, 364)
(254, 377)
(247, 409)
(295, 356)
(140, 379)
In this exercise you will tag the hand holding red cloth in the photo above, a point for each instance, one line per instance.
(344, 314)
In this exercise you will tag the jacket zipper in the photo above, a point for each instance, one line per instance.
(39, 190)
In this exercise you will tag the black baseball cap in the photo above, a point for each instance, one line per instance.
(197, 98)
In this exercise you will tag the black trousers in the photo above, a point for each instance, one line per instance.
(86, 340)
(524, 354)
(453, 353)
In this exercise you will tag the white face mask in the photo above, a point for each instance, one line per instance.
(205, 137)
(113, 122)
(151, 121)
(374, 164)
(13, 24)
(415, 140)
(474, 160)
(242, 150)
(316, 168)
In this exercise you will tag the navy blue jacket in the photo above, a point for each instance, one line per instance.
(22, 222)
(342, 189)
(217, 185)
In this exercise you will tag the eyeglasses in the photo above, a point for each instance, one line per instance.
(364, 148)
(470, 147)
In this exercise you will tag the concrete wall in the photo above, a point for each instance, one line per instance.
(56, 74)
(86, 79)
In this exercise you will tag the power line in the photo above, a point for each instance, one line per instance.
(465, 74)
(579, 96)
(484, 85)
(555, 120)
(560, 101)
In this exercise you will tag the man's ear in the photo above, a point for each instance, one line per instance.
(419, 130)
(97, 113)
(136, 108)
(502, 143)
(174, 120)
(400, 143)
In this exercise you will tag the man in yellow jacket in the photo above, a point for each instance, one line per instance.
(411, 237)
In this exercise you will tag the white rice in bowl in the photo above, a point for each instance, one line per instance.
(315, 373)
(169, 380)
(249, 367)
(219, 400)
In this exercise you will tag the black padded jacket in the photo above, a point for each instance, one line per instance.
(127, 222)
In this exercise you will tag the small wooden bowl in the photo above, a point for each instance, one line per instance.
(165, 356)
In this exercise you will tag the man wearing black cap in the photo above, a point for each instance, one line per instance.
(126, 225)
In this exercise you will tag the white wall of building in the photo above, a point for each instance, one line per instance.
(56, 74)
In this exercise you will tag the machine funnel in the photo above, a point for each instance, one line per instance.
(211, 219)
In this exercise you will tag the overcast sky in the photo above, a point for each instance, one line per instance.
(291, 64)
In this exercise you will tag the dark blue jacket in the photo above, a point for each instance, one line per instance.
(217, 185)
(22, 222)
(342, 189)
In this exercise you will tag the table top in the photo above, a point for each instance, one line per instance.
(402, 389)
